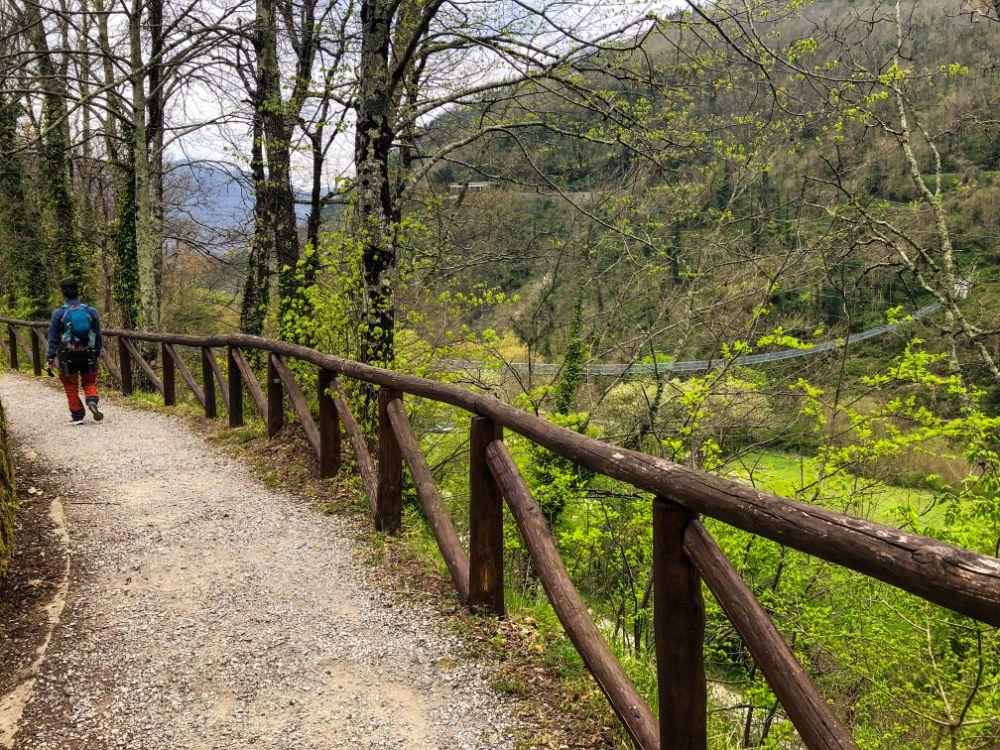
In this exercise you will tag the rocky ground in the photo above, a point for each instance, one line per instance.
(207, 611)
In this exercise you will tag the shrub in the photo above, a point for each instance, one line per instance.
(728, 410)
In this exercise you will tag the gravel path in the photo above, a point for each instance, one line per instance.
(209, 612)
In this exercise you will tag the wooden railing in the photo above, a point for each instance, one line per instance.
(684, 554)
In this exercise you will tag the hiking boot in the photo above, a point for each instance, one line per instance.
(92, 405)
(76, 421)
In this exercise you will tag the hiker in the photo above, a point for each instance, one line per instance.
(75, 336)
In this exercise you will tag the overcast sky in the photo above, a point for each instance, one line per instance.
(221, 103)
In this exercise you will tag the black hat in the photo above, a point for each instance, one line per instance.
(70, 288)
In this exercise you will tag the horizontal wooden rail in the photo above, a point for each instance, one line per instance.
(942, 573)
(684, 554)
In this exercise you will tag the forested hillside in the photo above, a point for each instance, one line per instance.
(454, 188)
(697, 193)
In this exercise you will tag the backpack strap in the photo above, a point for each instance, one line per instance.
(62, 318)
(67, 309)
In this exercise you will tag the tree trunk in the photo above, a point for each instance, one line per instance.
(115, 110)
(154, 132)
(59, 211)
(125, 275)
(26, 271)
(255, 290)
(277, 137)
(315, 208)
(375, 213)
(148, 243)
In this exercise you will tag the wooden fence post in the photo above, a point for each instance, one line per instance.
(679, 630)
(36, 352)
(275, 399)
(389, 497)
(125, 362)
(208, 378)
(12, 342)
(329, 426)
(485, 521)
(235, 392)
(169, 388)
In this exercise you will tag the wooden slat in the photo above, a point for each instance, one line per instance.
(250, 381)
(144, 365)
(235, 389)
(329, 425)
(430, 500)
(567, 603)
(23, 344)
(36, 351)
(217, 373)
(485, 521)
(298, 401)
(389, 516)
(275, 401)
(361, 455)
(208, 378)
(679, 629)
(12, 357)
(169, 370)
(811, 715)
(125, 358)
(186, 375)
(110, 365)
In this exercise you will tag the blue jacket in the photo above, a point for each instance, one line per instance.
(56, 327)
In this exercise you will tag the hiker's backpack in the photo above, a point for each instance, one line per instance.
(78, 337)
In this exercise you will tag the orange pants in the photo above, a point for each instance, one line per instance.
(71, 384)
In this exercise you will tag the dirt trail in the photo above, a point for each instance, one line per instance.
(206, 611)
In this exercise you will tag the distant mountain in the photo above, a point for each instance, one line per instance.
(209, 205)
(213, 196)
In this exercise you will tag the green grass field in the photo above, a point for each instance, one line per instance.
(796, 477)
